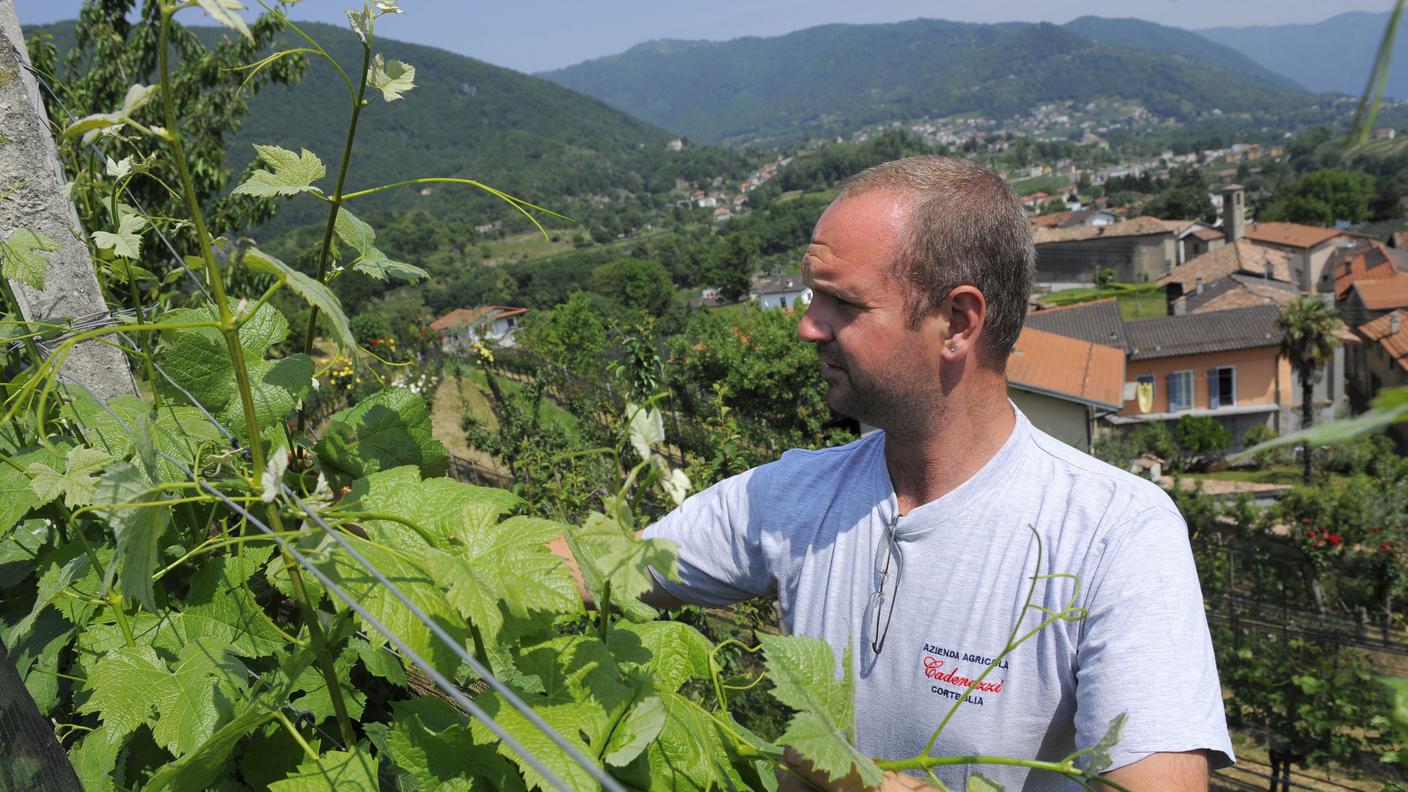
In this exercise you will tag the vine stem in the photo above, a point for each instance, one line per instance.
(229, 327)
(335, 201)
(1064, 768)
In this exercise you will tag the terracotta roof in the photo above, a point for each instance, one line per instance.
(1372, 260)
(1240, 291)
(782, 284)
(1240, 256)
(1138, 226)
(1380, 332)
(1290, 234)
(1067, 368)
(464, 317)
(1052, 220)
(1383, 295)
(1196, 334)
(1097, 322)
(1209, 234)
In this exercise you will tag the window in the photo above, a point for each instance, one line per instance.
(1180, 391)
(1222, 384)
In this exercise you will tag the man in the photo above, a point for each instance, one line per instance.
(915, 547)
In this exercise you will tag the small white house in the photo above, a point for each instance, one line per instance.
(783, 291)
(461, 327)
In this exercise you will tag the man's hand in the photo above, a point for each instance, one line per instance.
(657, 597)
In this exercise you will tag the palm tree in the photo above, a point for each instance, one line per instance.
(1309, 328)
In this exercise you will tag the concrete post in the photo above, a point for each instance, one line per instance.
(28, 157)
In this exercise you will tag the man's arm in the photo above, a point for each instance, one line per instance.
(657, 597)
(1164, 772)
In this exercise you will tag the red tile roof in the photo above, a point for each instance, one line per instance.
(1383, 295)
(1371, 261)
(1290, 234)
(1067, 368)
(464, 317)
(1137, 226)
(1380, 332)
(1234, 257)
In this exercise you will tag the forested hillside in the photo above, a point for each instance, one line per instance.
(834, 78)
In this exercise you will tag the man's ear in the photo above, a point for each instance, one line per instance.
(965, 311)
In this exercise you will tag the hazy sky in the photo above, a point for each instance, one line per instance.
(534, 35)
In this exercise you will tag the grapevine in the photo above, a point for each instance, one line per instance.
(201, 592)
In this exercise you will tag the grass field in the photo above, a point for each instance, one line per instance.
(1046, 184)
(1278, 474)
(1136, 300)
(530, 245)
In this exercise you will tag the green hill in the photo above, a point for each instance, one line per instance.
(834, 78)
(465, 118)
(1144, 35)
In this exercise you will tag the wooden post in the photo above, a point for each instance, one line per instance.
(32, 176)
(30, 755)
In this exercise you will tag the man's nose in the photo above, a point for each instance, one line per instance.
(812, 329)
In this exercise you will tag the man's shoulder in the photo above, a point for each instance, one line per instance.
(1091, 477)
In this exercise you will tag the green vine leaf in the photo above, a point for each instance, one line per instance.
(221, 607)
(314, 293)
(76, 483)
(370, 260)
(199, 768)
(101, 123)
(580, 691)
(506, 566)
(409, 575)
(180, 431)
(981, 783)
(315, 698)
(292, 173)
(138, 529)
(198, 359)
(17, 497)
(803, 671)
(224, 13)
(647, 428)
(333, 771)
(432, 743)
(21, 260)
(392, 78)
(127, 241)
(607, 553)
(442, 507)
(123, 684)
(635, 732)
(386, 430)
(1100, 759)
(674, 652)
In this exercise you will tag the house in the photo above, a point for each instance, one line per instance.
(1237, 290)
(1369, 299)
(1226, 364)
(782, 291)
(462, 327)
(1196, 238)
(1367, 259)
(1309, 249)
(1065, 385)
(1380, 359)
(1139, 249)
(1234, 258)
(1074, 218)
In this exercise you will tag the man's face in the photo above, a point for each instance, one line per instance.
(878, 370)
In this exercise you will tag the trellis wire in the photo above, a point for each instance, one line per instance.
(441, 682)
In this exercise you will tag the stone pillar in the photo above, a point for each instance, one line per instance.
(28, 158)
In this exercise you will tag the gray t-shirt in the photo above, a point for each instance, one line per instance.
(807, 527)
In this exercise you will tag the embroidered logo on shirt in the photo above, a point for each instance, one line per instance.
(947, 666)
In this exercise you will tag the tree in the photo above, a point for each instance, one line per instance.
(641, 284)
(1202, 436)
(1308, 342)
(732, 271)
(1325, 196)
(569, 335)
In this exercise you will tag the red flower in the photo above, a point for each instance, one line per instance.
(1376, 530)
(1334, 539)
(1306, 521)
(1310, 534)
(1384, 546)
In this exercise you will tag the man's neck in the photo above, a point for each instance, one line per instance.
(930, 461)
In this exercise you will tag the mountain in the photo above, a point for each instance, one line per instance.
(1143, 35)
(834, 78)
(1333, 55)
